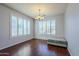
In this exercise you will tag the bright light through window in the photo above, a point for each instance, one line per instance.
(25, 27)
(53, 27)
(28, 27)
(46, 27)
(14, 26)
(20, 26)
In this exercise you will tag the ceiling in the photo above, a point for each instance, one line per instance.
(31, 9)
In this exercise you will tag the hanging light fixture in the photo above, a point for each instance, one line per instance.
(39, 17)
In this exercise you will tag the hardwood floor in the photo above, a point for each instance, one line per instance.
(35, 48)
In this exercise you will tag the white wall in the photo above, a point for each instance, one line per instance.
(72, 28)
(5, 38)
(59, 27)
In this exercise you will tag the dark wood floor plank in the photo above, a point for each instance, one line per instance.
(35, 48)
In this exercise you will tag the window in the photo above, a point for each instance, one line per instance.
(40, 23)
(28, 26)
(53, 27)
(20, 26)
(25, 28)
(46, 27)
(14, 26)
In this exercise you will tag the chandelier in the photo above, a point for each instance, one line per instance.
(39, 17)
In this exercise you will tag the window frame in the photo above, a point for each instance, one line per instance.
(48, 22)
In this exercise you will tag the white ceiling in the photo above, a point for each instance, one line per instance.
(31, 9)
